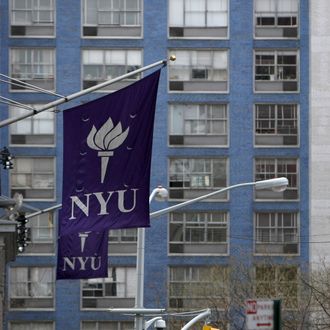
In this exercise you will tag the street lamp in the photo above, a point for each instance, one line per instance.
(200, 316)
(160, 194)
(157, 321)
(276, 184)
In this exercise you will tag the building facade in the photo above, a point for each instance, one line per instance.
(234, 107)
(319, 145)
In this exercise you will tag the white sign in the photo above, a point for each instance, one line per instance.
(259, 314)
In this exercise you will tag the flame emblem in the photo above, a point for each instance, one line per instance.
(105, 140)
(83, 237)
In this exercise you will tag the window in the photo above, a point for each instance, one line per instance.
(123, 241)
(198, 125)
(278, 281)
(33, 177)
(112, 18)
(41, 234)
(32, 18)
(31, 288)
(276, 18)
(102, 65)
(276, 232)
(198, 233)
(107, 325)
(37, 325)
(193, 177)
(276, 71)
(117, 290)
(268, 168)
(276, 125)
(198, 287)
(36, 130)
(198, 18)
(199, 70)
(123, 235)
(35, 66)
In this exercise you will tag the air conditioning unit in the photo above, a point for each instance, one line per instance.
(18, 30)
(176, 32)
(290, 248)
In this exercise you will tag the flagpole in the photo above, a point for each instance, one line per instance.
(68, 98)
(51, 208)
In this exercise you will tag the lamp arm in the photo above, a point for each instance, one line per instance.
(197, 199)
(197, 318)
(152, 321)
(153, 194)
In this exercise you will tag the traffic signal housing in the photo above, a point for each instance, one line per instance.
(22, 232)
(6, 159)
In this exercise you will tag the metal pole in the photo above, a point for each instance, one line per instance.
(139, 298)
(65, 99)
(277, 314)
(196, 319)
(139, 318)
(197, 199)
(152, 321)
(51, 208)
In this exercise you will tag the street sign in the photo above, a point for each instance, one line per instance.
(259, 314)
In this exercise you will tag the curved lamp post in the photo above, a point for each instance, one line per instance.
(277, 184)
(197, 318)
(160, 193)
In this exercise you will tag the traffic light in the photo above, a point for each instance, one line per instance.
(22, 232)
(6, 159)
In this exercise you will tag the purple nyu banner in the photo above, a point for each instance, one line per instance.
(106, 170)
(82, 255)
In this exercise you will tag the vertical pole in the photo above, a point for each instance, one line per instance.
(277, 315)
(139, 319)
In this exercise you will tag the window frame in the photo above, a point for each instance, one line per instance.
(124, 31)
(205, 224)
(191, 281)
(33, 120)
(181, 137)
(277, 228)
(34, 23)
(276, 27)
(38, 244)
(30, 325)
(30, 284)
(52, 171)
(271, 136)
(122, 247)
(104, 66)
(32, 78)
(201, 82)
(190, 30)
(293, 177)
(280, 85)
(41, 227)
(121, 233)
(102, 282)
(275, 283)
(196, 178)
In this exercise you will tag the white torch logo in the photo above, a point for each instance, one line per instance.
(105, 140)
